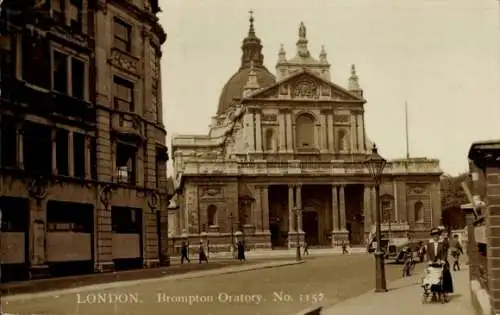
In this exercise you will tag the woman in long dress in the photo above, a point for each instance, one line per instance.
(437, 250)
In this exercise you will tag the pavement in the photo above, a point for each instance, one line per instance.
(272, 288)
(275, 253)
(71, 282)
(405, 297)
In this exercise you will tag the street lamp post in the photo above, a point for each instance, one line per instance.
(375, 164)
(297, 212)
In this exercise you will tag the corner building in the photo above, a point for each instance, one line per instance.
(293, 140)
(83, 167)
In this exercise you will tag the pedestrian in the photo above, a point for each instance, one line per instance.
(344, 248)
(456, 251)
(202, 256)
(184, 253)
(437, 251)
(306, 247)
(241, 251)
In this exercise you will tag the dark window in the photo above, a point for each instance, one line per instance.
(78, 78)
(60, 72)
(211, 215)
(126, 156)
(37, 149)
(126, 220)
(62, 156)
(36, 62)
(79, 154)
(58, 10)
(75, 15)
(8, 145)
(123, 32)
(93, 158)
(123, 92)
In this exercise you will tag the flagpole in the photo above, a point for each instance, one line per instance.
(406, 131)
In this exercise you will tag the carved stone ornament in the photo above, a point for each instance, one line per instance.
(153, 200)
(124, 61)
(38, 188)
(341, 118)
(417, 190)
(326, 90)
(211, 191)
(305, 89)
(269, 117)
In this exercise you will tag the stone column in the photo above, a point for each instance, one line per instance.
(335, 209)
(54, 151)
(291, 205)
(342, 208)
(367, 208)
(331, 135)
(258, 132)
(298, 202)
(20, 146)
(265, 208)
(38, 229)
(282, 133)
(71, 157)
(289, 132)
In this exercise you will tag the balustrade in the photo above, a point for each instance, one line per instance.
(296, 167)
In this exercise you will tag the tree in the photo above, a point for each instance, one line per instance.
(452, 197)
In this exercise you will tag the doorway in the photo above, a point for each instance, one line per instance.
(310, 227)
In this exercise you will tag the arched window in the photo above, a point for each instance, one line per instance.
(212, 215)
(269, 136)
(419, 212)
(342, 143)
(304, 132)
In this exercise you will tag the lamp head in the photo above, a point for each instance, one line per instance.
(375, 163)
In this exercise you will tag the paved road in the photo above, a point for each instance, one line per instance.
(282, 290)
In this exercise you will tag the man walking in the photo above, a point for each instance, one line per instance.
(456, 251)
(344, 248)
(306, 247)
(184, 253)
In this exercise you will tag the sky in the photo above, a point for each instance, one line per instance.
(440, 56)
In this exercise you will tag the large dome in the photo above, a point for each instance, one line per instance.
(251, 57)
(234, 86)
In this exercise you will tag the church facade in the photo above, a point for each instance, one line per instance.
(283, 161)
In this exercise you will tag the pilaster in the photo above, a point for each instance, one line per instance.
(19, 146)
(88, 157)
(331, 133)
(359, 128)
(54, 152)
(71, 157)
(258, 133)
(282, 133)
(373, 204)
(289, 132)
(352, 133)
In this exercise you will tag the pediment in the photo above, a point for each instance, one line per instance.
(305, 85)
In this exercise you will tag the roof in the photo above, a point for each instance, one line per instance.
(234, 86)
(485, 152)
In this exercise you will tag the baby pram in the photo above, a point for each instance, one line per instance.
(432, 283)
